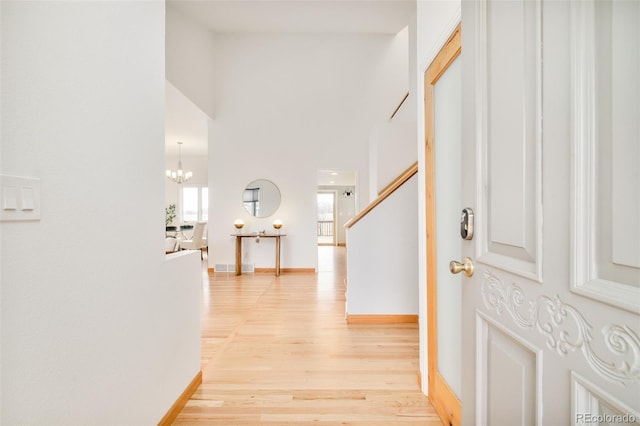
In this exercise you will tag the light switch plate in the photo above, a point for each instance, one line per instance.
(28, 195)
(20, 198)
(9, 198)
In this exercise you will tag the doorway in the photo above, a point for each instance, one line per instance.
(337, 197)
(326, 220)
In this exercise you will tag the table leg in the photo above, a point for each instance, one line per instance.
(277, 256)
(238, 255)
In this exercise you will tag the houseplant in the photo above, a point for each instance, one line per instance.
(170, 214)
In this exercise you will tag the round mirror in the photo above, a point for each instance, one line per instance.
(261, 198)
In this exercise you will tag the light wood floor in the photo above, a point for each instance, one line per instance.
(278, 351)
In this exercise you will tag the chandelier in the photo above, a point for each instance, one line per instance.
(179, 176)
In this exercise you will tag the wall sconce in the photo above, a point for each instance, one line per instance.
(277, 224)
(348, 193)
(238, 223)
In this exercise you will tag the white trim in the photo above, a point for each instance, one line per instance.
(528, 269)
(482, 322)
(584, 275)
(586, 398)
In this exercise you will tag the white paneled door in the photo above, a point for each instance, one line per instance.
(551, 167)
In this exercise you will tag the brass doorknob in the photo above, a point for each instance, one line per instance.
(466, 266)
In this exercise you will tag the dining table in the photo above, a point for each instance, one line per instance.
(174, 230)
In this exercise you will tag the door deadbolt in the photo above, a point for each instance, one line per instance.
(466, 224)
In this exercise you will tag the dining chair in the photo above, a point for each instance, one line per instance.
(198, 241)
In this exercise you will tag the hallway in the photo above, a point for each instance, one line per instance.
(278, 351)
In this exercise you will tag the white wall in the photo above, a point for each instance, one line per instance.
(393, 67)
(391, 286)
(435, 21)
(392, 151)
(190, 63)
(284, 107)
(290, 105)
(97, 326)
(392, 147)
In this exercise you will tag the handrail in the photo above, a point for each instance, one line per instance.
(399, 106)
(385, 193)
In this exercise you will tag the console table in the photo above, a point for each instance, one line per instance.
(239, 238)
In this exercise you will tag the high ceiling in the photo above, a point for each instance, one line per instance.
(184, 122)
(274, 16)
(298, 16)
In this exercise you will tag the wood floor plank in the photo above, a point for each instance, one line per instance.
(278, 351)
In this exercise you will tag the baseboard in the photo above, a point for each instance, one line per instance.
(299, 270)
(381, 319)
(287, 270)
(446, 404)
(273, 270)
(182, 400)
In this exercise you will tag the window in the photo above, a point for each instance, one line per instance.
(195, 203)
(251, 200)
